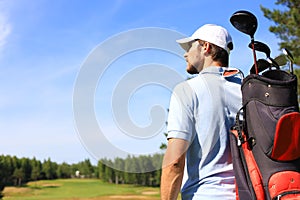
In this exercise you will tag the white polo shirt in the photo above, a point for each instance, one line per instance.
(202, 111)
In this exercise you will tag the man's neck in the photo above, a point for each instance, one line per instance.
(212, 64)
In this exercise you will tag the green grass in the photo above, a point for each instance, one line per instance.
(85, 189)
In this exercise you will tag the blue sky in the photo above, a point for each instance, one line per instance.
(44, 44)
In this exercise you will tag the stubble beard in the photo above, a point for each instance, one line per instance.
(191, 69)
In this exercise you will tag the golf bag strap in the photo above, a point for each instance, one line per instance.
(253, 170)
(232, 72)
(236, 192)
(239, 127)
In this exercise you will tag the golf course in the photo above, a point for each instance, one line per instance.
(79, 189)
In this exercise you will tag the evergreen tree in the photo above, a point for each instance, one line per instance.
(109, 172)
(64, 171)
(49, 169)
(87, 168)
(36, 169)
(119, 165)
(2, 175)
(286, 26)
(9, 169)
(101, 169)
(26, 167)
(157, 163)
(18, 176)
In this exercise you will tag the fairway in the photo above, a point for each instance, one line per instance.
(79, 189)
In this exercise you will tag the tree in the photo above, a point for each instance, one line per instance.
(163, 145)
(19, 175)
(2, 175)
(9, 169)
(157, 163)
(64, 170)
(119, 165)
(101, 169)
(49, 169)
(146, 166)
(287, 29)
(87, 168)
(27, 168)
(109, 172)
(36, 169)
(131, 165)
(297, 72)
(286, 25)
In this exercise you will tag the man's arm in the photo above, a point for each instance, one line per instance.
(173, 168)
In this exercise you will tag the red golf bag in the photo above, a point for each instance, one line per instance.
(265, 141)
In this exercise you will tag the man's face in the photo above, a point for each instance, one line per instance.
(194, 58)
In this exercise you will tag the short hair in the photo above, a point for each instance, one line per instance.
(218, 54)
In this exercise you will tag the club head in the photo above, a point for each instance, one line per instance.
(262, 65)
(262, 47)
(245, 22)
(273, 62)
(288, 54)
(281, 60)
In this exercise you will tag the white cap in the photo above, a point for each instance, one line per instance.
(211, 33)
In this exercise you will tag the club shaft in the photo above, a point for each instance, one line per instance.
(254, 56)
(291, 67)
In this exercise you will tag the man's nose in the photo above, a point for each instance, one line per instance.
(185, 55)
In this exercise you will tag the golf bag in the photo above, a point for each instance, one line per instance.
(265, 141)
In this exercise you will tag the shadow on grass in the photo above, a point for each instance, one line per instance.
(39, 187)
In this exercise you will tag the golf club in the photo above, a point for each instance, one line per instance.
(289, 56)
(262, 65)
(246, 22)
(281, 60)
(262, 47)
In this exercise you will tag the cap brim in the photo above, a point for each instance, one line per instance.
(185, 43)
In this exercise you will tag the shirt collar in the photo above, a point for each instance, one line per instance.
(213, 70)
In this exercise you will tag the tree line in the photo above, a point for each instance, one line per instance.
(16, 171)
(142, 170)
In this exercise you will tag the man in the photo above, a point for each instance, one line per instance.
(201, 113)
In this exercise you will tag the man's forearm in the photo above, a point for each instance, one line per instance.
(171, 179)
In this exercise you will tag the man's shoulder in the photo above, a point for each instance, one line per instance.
(188, 85)
(184, 91)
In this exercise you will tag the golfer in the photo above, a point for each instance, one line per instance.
(201, 112)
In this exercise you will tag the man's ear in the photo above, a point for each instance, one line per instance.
(207, 47)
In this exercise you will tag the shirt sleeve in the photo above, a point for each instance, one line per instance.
(180, 119)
